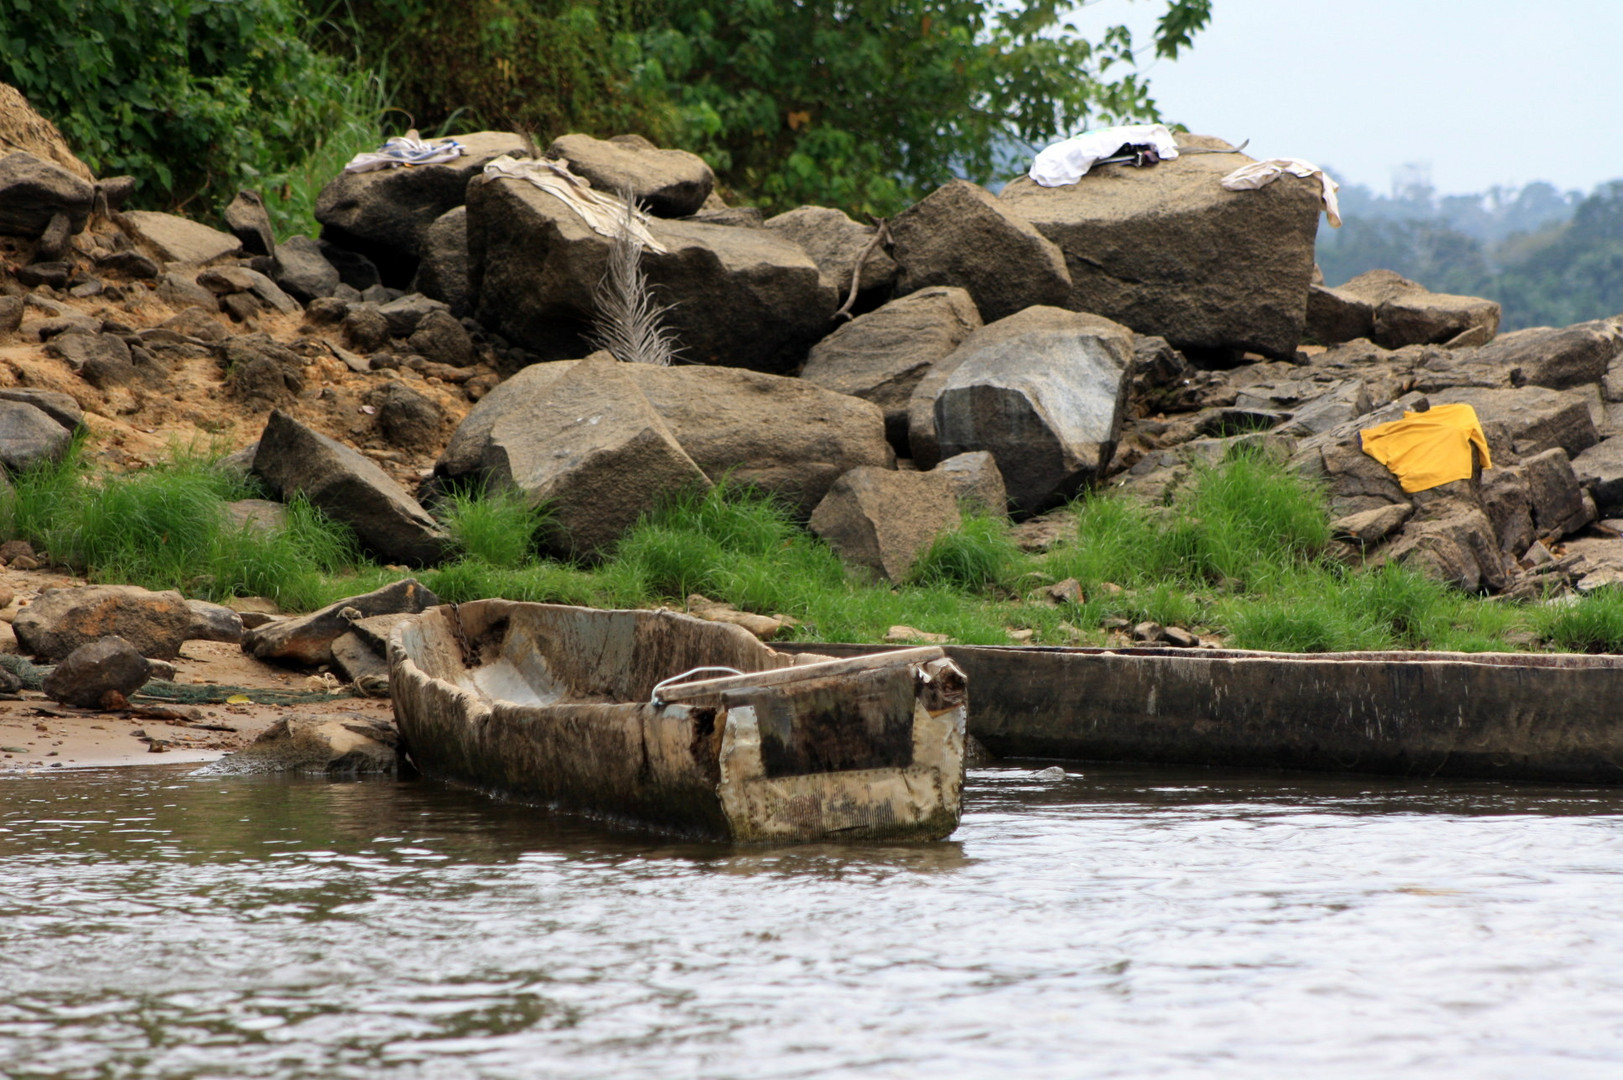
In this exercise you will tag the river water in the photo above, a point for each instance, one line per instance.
(1113, 922)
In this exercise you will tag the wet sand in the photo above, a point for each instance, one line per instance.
(37, 733)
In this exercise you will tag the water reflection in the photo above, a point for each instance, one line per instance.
(1111, 922)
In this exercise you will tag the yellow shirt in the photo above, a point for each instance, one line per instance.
(1428, 449)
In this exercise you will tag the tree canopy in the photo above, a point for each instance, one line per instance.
(854, 103)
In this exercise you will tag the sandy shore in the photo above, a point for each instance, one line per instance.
(36, 733)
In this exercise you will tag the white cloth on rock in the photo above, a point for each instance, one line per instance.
(603, 214)
(405, 149)
(1069, 161)
(1260, 174)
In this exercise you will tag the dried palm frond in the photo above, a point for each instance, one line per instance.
(627, 322)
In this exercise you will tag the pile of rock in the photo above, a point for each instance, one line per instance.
(1012, 350)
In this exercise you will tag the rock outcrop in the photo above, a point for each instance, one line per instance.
(666, 183)
(1168, 251)
(1045, 392)
(737, 297)
(883, 356)
(385, 214)
(882, 520)
(293, 460)
(961, 235)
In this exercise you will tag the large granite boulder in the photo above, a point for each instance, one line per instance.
(1393, 312)
(1168, 251)
(882, 520)
(1509, 506)
(1560, 359)
(1045, 392)
(33, 192)
(329, 744)
(882, 356)
(960, 234)
(1559, 504)
(99, 674)
(976, 482)
(1600, 469)
(582, 439)
(348, 487)
(1451, 538)
(384, 214)
(247, 219)
(666, 183)
(61, 620)
(787, 437)
(53, 403)
(738, 297)
(28, 435)
(835, 243)
(784, 436)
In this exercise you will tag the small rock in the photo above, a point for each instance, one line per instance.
(1149, 632)
(908, 635)
(1179, 638)
(1068, 591)
(334, 744)
(764, 627)
(215, 622)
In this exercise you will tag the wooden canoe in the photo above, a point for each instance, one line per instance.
(576, 709)
(1502, 716)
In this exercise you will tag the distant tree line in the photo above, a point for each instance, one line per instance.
(1550, 258)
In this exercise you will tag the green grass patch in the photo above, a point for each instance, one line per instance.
(975, 557)
(1237, 555)
(167, 528)
(1594, 623)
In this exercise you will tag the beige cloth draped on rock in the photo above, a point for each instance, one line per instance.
(603, 214)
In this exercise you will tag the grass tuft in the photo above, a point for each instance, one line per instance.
(975, 557)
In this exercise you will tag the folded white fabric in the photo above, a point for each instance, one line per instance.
(406, 149)
(1260, 174)
(1069, 161)
(603, 214)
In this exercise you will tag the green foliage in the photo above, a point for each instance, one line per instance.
(541, 66)
(867, 105)
(497, 528)
(1245, 522)
(166, 528)
(978, 555)
(862, 105)
(1592, 624)
(192, 97)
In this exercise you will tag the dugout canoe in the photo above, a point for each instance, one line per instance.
(1503, 716)
(612, 714)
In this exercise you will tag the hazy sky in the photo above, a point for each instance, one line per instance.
(1483, 91)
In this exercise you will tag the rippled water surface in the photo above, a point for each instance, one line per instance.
(1116, 922)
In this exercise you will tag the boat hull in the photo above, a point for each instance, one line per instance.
(556, 705)
(1526, 717)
